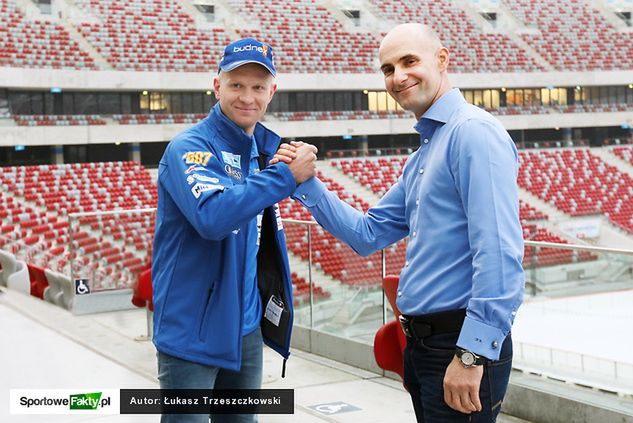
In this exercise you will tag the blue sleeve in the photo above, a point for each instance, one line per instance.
(381, 226)
(212, 201)
(485, 166)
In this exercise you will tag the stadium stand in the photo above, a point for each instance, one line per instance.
(305, 31)
(578, 183)
(582, 40)
(58, 120)
(472, 49)
(161, 118)
(35, 43)
(625, 153)
(150, 36)
(110, 248)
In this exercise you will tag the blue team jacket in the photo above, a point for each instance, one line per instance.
(205, 196)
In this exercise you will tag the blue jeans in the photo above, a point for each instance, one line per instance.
(174, 373)
(425, 364)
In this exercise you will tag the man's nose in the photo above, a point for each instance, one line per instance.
(247, 97)
(399, 76)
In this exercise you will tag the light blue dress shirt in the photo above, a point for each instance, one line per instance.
(457, 200)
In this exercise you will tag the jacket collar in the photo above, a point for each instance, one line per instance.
(267, 141)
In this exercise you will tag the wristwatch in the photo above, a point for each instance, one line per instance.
(469, 359)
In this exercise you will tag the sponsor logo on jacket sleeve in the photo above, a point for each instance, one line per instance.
(199, 188)
(197, 177)
(233, 173)
(232, 159)
(194, 168)
(280, 225)
(197, 157)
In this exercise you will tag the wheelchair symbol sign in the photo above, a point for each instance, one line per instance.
(82, 287)
(337, 407)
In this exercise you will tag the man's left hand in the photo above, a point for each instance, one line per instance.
(461, 387)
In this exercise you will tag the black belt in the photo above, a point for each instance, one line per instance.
(418, 327)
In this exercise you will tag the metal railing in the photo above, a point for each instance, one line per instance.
(349, 308)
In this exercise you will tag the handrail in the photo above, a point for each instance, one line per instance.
(110, 212)
(528, 243)
(577, 247)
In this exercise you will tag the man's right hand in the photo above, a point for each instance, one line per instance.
(301, 159)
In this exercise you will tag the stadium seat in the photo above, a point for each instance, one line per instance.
(390, 340)
(60, 290)
(38, 280)
(15, 274)
(142, 296)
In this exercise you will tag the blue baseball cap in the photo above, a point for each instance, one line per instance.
(247, 50)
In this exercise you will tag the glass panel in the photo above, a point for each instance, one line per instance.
(114, 259)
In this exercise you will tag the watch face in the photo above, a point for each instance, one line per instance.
(468, 358)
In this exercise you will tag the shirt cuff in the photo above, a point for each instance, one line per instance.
(481, 339)
(309, 192)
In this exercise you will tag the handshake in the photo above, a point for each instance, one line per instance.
(300, 158)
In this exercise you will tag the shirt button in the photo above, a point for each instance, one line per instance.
(399, 293)
(414, 233)
(495, 344)
(421, 171)
(303, 197)
(417, 201)
(406, 263)
(426, 140)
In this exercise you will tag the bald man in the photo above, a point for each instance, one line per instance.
(457, 201)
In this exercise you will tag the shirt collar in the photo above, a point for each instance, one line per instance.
(441, 110)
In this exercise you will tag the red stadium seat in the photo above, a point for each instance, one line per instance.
(390, 340)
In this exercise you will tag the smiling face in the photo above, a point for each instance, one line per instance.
(414, 64)
(244, 94)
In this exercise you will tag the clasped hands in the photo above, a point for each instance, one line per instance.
(300, 158)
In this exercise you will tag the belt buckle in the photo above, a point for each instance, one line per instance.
(404, 323)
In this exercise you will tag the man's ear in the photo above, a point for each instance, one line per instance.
(216, 87)
(273, 90)
(442, 59)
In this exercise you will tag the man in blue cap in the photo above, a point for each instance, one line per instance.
(220, 269)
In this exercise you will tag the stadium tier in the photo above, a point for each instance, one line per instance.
(582, 40)
(37, 43)
(473, 50)
(154, 35)
(163, 35)
(35, 225)
(579, 183)
(625, 153)
(58, 120)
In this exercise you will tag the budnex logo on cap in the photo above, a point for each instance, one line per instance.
(247, 50)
